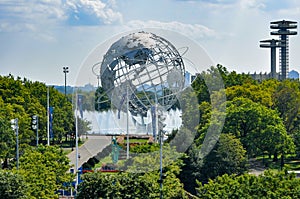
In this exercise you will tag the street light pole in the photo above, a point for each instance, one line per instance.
(17, 135)
(35, 126)
(76, 138)
(127, 121)
(48, 117)
(65, 70)
(15, 126)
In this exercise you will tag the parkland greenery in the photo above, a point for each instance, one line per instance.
(261, 131)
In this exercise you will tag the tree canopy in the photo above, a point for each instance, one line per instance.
(45, 170)
(268, 185)
(12, 185)
(261, 118)
(140, 180)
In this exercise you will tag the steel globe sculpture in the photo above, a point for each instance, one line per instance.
(144, 68)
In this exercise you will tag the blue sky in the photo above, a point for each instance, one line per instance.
(39, 37)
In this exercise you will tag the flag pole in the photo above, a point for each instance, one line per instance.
(127, 121)
(48, 118)
(76, 138)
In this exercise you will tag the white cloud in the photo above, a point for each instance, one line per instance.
(252, 4)
(196, 31)
(103, 11)
(244, 4)
(17, 16)
(37, 15)
(291, 12)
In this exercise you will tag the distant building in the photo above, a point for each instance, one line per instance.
(261, 76)
(88, 87)
(293, 74)
(71, 89)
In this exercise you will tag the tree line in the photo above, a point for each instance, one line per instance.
(262, 120)
(42, 170)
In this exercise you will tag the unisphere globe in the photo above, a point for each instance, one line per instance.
(144, 68)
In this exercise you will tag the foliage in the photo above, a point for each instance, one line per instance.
(287, 102)
(207, 82)
(44, 170)
(215, 79)
(139, 182)
(259, 128)
(144, 148)
(12, 185)
(83, 126)
(190, 114)
(263, 116)
(7, 142)
(147, 162)
(258, 114)
(102, 102)
(269, 185)
(280, 96)
(258, 93)
(23, 98)
(181, 139)
(88, 101)
(63, 116)
(121, 185)
(227, 157)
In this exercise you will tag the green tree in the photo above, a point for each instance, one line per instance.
(23, 98)
(258, 93)
(7, 142)
(12, 185)
(190, 113)
(44, 170)
(129, 185)
(102, 102)
(208, 82)
(269, 185)
(233, 78)
(216, 78)
(252, 122)
(121, 185)
(227, 157)
(287, 102)
(63, 116)
(88, 100)
(140, 180)
(83, 126)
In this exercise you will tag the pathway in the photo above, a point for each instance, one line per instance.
(92, 146)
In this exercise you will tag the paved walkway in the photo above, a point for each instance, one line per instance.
(90, 148)
(256, 168)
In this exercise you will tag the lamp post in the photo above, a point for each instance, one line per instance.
(35, 126)
(65, 70)
(15, 126)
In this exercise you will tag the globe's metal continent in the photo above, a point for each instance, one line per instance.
(144, 67)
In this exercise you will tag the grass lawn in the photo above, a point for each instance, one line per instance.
(108, 160)
(136, 140)
(291, 163)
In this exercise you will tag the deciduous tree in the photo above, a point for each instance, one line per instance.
(12, 185)
(44, 170)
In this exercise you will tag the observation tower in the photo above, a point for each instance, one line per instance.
(272, 44)
(282, 29)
